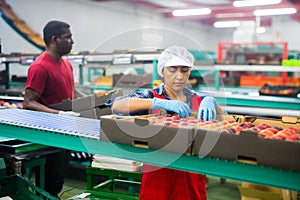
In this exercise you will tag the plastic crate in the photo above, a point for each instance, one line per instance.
(16, 187)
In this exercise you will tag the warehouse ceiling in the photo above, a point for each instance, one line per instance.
(220, 10)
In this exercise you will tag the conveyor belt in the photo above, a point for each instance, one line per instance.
(257, 174)
(76, 126)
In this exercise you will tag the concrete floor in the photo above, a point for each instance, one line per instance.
(215, 189)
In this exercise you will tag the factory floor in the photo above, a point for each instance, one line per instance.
(216, 189)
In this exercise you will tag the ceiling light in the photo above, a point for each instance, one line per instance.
(169, 3)
(260, 30)
(191, 12)
(212, 2)
(226, 24)
(248, 3)
(277, 11)
(230, 15)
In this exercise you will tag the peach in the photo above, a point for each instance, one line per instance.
(175, 117)
(250, 124)
(191, 118)
(285, 133)
(263, 126)
(278, 128)
(274, 130)
(265, 133)
(174, 125)
(183, 124)
(278, 137)
(291, 139)
(254, 129)
(225, 122)
(167, 123)
(238, 128)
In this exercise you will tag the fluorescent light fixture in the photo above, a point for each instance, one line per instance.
(275, 11)
(212, 2)
(248, 3)
(260, 30)
(226, 24)
(168, 4)
(191, 12)
(230, 15)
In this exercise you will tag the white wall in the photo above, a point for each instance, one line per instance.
(106, 26)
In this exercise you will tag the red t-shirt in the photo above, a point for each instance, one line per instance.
(52, 79)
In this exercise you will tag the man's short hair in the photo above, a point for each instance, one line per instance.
(53, 28)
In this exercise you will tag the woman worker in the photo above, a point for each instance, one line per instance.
(174, 65)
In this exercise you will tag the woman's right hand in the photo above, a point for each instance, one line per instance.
(172, 105)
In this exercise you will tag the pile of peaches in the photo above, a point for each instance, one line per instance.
(189, 122)
(228, 127)
(10, 105)
(266, 131)
(288, 134)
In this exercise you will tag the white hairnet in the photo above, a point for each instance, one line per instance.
(174, 56)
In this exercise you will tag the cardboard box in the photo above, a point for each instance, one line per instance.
(95, 113)
(250, 191)
(138, 132)
(248, 146)
(91, 106)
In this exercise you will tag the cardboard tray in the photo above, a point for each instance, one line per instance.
(248, 146)
(95, 113)
(85, 103)
(138, 132)
(274, 90)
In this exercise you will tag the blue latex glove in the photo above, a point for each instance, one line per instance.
(172, 105)
(207, 110)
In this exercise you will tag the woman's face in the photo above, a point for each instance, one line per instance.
(176, 77)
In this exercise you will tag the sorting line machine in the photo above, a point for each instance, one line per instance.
(82, 134)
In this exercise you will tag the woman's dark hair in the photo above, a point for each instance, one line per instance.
(53, 28)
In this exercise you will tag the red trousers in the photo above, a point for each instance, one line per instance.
(169, 184)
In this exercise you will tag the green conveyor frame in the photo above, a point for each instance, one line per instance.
(260, 101)
(210, 166)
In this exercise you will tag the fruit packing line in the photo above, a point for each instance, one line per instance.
(225, 126)
(12, 128)
(76, 126)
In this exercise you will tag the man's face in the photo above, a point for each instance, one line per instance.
(65, 42)
(176, 77)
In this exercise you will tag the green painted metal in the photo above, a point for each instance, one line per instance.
(2, 167)
(30, 147)
(116, 178)
(210, 166)
(154, 74)
(81, 81)
(17, 187)
(30, 164)
(256, 102)
(240, 97)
